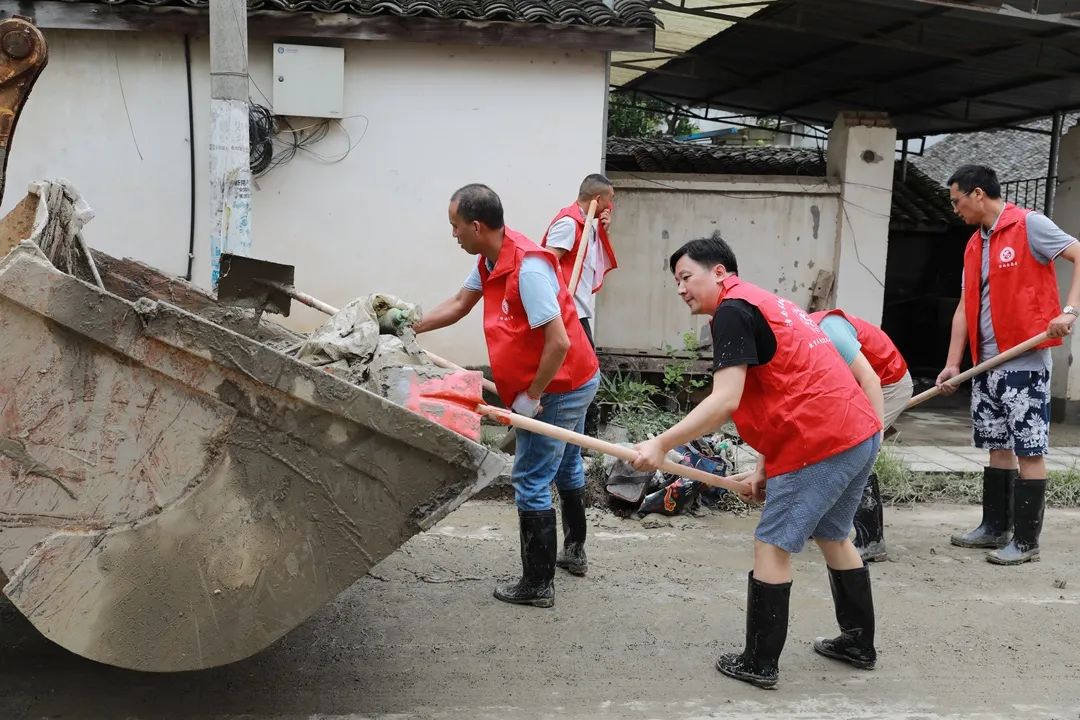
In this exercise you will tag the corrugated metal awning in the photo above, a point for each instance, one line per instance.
(935, 66)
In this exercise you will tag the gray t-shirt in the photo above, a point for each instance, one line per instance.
(1046, 241)
(537, 284)
(562, 235)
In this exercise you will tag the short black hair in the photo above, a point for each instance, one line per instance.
(479, 202)
(593, 185)
(969, 177)
(710, 251)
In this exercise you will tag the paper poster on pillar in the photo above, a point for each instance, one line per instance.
(230, 182)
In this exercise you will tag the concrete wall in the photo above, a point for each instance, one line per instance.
(860, 155)
(783, 231)
(423, 119)
(1065, 385)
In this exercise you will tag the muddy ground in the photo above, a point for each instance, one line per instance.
(422, 637)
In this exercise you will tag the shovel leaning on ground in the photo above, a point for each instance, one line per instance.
(1029, 344)
(264, 285)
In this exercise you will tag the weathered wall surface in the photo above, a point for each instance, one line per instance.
(1066, 380)
(110, 113)
(783, 231)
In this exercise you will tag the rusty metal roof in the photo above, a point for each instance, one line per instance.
(935, 66)
(594, 13)
(919, 202)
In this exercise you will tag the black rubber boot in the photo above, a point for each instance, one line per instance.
(766, 631)
(1029, 500)
(538, 546)
(855, 615)
(996, 524)
(592, 420)
(870, 523)
(572, 558)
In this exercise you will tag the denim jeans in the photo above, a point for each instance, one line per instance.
(539, 459)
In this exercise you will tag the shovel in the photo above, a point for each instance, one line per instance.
(555, 432)
(262, 285)
(1029, 344)
(451, 405)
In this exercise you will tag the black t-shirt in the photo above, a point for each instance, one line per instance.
(741, 336)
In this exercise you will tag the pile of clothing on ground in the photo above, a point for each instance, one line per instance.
(633, 491)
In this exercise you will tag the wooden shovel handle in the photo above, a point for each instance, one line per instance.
(1029, 344)
(582, 250)
(312, 302)
(590, 443)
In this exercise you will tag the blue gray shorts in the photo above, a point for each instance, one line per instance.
(1010, 410)
(817, 501)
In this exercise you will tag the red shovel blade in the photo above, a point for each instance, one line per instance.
(449, 400)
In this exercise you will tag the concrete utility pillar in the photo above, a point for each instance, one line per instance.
(862, 146)
(1065, 384)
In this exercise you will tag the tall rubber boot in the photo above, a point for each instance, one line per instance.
(870, 523)
(572, 557)
(766, 632)
(538, 546)
(854, 604)
(1029, 501)
(996, 524)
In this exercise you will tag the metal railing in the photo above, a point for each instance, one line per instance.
(1029, 193)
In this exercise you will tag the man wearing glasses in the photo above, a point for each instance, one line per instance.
(1009, 294)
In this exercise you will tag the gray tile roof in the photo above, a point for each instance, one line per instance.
(918, 202)
(594, 13)
(1014, 154)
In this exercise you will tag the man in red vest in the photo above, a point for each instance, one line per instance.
(881, 371)
(564, 238)
(792, 399)
(543, 367)
(1009, 294)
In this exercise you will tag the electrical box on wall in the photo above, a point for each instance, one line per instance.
(309, 80)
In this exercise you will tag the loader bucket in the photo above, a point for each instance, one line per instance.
(176, 493)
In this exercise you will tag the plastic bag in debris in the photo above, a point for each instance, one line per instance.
(353, 333)
(708, 455)
(680, 494)
(677, 497)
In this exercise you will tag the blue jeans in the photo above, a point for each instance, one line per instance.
(539, 459)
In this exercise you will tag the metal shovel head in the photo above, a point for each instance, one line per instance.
(446, 397)
(240, 283)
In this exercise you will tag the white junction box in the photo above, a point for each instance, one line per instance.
(309, 81)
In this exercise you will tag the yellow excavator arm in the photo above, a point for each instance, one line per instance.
(23, 55)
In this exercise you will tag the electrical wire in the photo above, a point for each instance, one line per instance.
(275, 142)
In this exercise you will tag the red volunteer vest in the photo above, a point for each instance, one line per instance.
(514, 348)
(804, 405)
(606, 262)
(1023, 292)
(877, 347)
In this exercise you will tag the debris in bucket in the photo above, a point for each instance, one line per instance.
(368, 337)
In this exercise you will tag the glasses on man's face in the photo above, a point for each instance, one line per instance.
(956, 201)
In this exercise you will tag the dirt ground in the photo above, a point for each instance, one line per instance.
(421, 637)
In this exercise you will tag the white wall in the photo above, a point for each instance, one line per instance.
(1065, 384)
(783, 231)
(860, 154)
(132, 167)
(525, 121)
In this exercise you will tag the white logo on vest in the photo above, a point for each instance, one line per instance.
(1007, 254)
